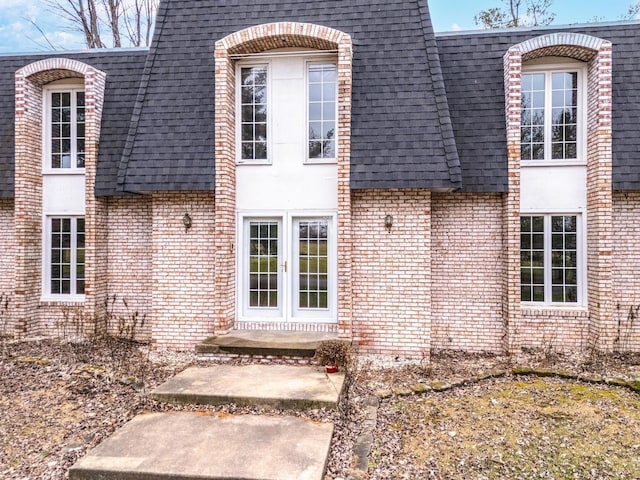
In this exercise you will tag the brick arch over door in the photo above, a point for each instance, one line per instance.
(256, 39)
(29, 83)
(597, 54)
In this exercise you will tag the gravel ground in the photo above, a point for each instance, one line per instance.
(59, 400)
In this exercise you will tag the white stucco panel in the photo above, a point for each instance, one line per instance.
(63, 194)
(288, 182)
(553, 189)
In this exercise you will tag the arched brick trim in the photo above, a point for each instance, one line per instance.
(562, 44)
(257, 39)
(596, 53)
(269, 36)
(31, 316)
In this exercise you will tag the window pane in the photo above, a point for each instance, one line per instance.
(66, 276)
(263, 264)
(564, 259)
(532, 116)
(531, 257)
(321, 99)
(253, 113)
(261, 151)
(558, 265)
(313, 264)
(561, 101)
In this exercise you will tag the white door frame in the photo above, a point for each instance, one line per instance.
(287, 310)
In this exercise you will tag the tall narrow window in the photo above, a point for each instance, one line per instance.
(550, 119)
(549, 267)
(322, 96)
(263, 264)
(313, 264)
(67, 256)
(67, 129)
(253, 113)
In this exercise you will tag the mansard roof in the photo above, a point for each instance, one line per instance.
(427, 110)
(123, 68)
(401, 131)
(472, 64)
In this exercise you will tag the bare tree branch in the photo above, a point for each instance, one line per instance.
(113, 11)
(42, 33)
(93, 18)
(510, 15)
(632, 11)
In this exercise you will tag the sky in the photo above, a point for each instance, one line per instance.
(18, 17)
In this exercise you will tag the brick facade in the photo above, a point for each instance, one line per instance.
(445, 276)
(392, 272)
(524, 327)
(32, 316)
(129, 254)
(467, 268)
(183, 275)
(7, 265)
(258, 39)
(626, 281)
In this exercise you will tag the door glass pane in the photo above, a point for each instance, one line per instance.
(263, 264)
(313, 264)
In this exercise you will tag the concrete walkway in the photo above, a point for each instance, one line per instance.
(269, 386)
(204, 446)
(185, 446)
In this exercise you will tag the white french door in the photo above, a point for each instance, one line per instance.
(287, 268)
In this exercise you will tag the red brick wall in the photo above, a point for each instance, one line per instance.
(183, 271)
(129, 256)
(392, 272)
(7, 263)
(467, 269)
(626, 266)
(262, 38)
(31, 315)
(568, 327)
(552, 329)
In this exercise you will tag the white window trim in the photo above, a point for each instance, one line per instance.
(288, 315)
(60, 86)
(316, 161)
(47, 296)
(581, 261)
(553, 65)
(239, 66)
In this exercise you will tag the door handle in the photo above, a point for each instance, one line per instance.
(284, 266)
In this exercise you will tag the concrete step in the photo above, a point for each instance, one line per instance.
(275, 343)
(186, 446)
(268, 386)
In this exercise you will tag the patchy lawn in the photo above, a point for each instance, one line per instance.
(57, 401)
(510, 428)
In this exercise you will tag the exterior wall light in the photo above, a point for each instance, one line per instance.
(388, 222)
(186, 221)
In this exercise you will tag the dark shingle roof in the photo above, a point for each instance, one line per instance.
(123, 69)
(472, 64)
(401, 133)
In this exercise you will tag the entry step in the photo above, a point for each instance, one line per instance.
(267, 386)
(169, 446)
(265, 343)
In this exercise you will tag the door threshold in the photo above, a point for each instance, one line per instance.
(267, 325)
